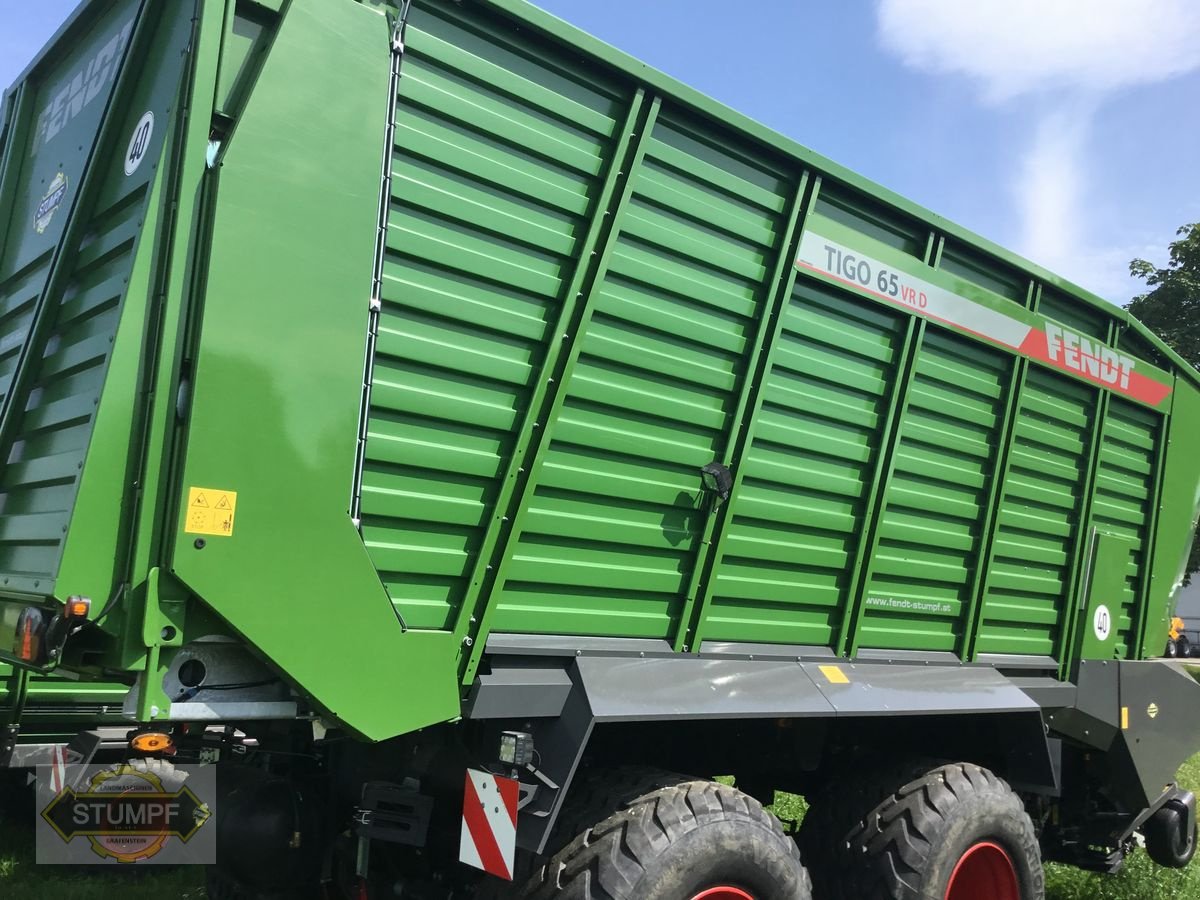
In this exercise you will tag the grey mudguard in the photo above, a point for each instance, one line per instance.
(621, 687)
(632, 690)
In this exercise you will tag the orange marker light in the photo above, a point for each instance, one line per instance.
(77, 607)
(152, 742)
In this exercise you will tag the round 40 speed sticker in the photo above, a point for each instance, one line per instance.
(139, 142)
(1102, 623)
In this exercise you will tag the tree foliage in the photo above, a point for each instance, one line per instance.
(1171, 309)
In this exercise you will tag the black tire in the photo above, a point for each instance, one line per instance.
(907, 845)
(654, 836)
(1172, 650)
(1168, 841)
(1183, 647)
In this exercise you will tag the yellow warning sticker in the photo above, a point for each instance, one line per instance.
(210, 511)
(834, 675)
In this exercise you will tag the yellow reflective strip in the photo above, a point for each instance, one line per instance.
(1124, 718)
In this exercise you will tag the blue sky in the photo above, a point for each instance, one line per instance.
(1066, 130)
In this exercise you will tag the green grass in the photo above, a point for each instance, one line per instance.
(22, 879)
(1140, 879)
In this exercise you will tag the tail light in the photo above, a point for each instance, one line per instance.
(40, 633)
(30, 639)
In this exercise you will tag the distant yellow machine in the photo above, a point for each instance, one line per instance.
(1178, 644)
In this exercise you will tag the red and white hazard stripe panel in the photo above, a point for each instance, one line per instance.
(489, 829)
(58, 768)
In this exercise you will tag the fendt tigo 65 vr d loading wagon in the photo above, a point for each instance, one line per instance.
(484, 427)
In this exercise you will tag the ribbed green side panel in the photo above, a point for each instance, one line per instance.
(1025, 601)
(1123, 502)
(930, 531)
(609, 523)
(51, 422)
(18, 295)
(798, 516)
(499, 148)
(38, 485)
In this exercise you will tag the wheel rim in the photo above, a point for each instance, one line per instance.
(723, 892)
(985, 872)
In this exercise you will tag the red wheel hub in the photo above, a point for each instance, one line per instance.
(723, 892)
(985, 872)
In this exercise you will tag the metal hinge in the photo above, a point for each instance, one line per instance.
(398, 31)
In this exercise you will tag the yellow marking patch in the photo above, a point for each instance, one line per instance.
(210, 511)
(1124, 718)
(834, 675)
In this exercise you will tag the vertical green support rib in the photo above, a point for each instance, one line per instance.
(983, 563)
(741, 428)
(473, 622)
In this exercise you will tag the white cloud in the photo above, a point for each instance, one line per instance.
(1013, 47)
(1049, 191)
(1050, 183)
(1066, 55)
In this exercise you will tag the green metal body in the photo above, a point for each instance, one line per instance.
(53, 710)
(456, 313)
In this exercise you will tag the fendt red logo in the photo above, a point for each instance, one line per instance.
(1091, 359)
(1098, 363)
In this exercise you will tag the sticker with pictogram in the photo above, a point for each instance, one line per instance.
(489, 826)
(210, 511)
